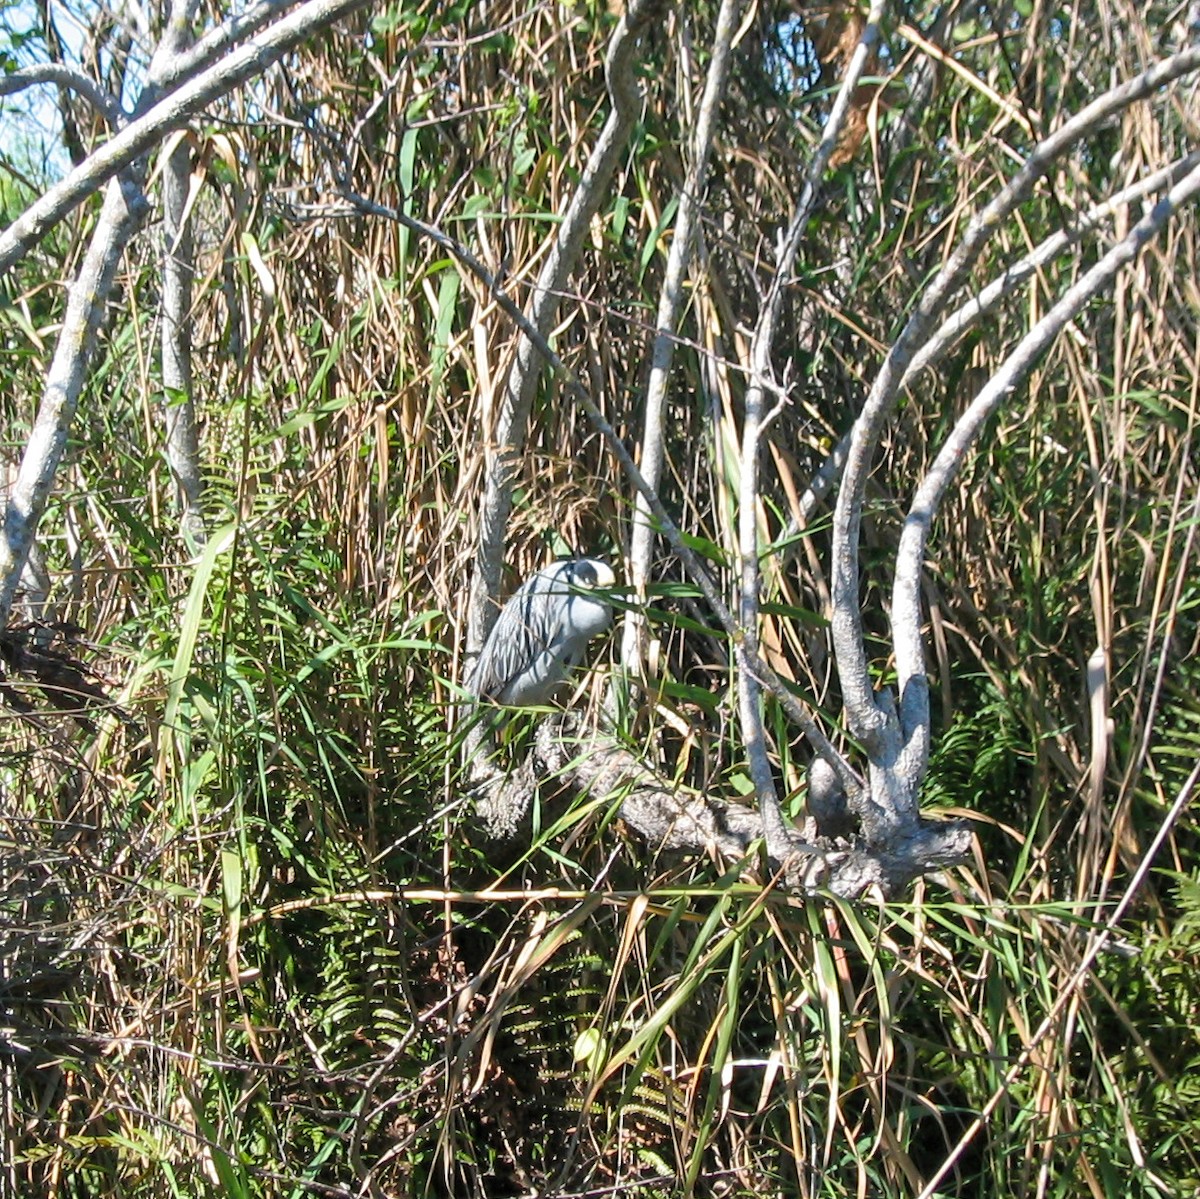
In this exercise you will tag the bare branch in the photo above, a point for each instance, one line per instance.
(749, 700)
(213, 44)
(666, 323)
(141, 135)
(124, 209)
(969, 314)
(178, 271)
(866, 718)
(61, 76)
(965, 317)
(508, 437)
(906, 600)
(179, 412)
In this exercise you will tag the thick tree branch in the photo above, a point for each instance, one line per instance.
(979, 305)
(677, 820)
(906, 600)
(868, 720)
(187, 60)
(123, 210)
(179, 410)
(170, 113)
(178, 272)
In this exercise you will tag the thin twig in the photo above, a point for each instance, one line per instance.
(749, 698)
(1068, 994)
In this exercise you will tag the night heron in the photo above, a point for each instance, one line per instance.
(542, 631)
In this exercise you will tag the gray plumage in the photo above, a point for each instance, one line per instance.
(542, 632)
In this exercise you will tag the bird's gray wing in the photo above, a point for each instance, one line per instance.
(527, 625)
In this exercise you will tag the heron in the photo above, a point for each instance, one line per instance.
(542, 632)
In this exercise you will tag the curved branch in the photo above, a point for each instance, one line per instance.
(906, 599)
(963, 318)
(755, 419)
(62, 75)
(866, 718)
(213, 44)
(969, 314)
(513, 418)
(142, 134)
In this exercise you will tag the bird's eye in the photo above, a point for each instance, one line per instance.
(585, 574)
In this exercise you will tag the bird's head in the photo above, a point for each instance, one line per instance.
(589, 574)
(589, 584)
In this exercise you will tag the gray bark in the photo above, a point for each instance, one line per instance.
(123, 211)
(968, 315)
(63, 76)
(670, 303)
(867, 718)
(508, 437)
(171, 112)
(677, 820)
(906, 598)
(692, 564)
(756, 417)
(119, 164)
(179, 411)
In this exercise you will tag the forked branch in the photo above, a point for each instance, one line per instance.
(677, 820)
(868, 719)
(906, 598)
(754, 421)
(120, 165)
(968, 315)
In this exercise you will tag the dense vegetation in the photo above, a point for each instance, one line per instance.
(243, 948)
